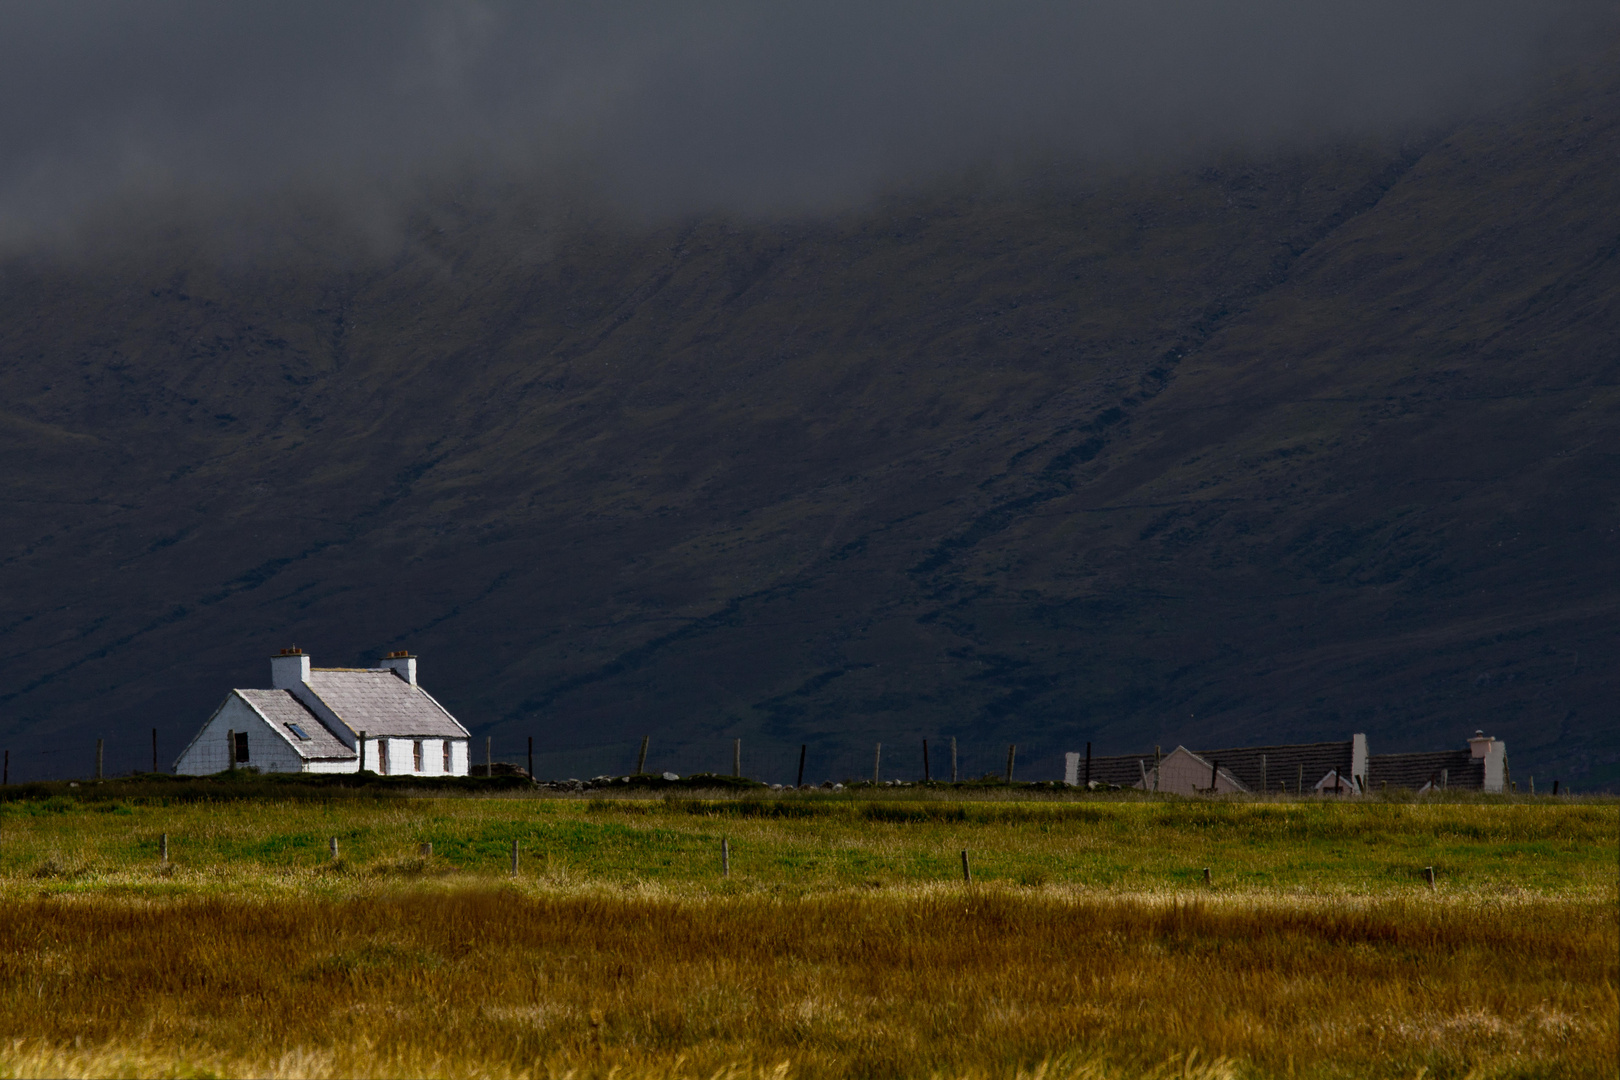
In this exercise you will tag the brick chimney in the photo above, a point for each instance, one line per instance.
(401, 663)
(289, 670)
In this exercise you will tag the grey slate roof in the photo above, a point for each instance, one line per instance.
(1462, 768)
(280, 708)
(378, 702)
(1283, 763)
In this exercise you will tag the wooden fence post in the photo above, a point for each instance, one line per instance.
(425, 850)
(1428, 875)
(230, 749)
(953, 759)
(877, 762)
(802, 749)
(967, 873)
(99, 744)
(1265, 789)
(1299, 785)
(1214, 775)
(360, 753)
(641, 758)
(1555, 783)
(725, 857)
(6, 777)
(1011, 750)
(489, 755)
(736, 758)
(531, 757)
(1157, 760)
(1206, 875)
(925, 761)
(1088, 766)
(334, 849)
(163, 849)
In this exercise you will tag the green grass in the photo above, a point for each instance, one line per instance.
(843, 943)
(809, 842)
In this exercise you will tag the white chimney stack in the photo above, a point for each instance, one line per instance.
(290, 670)
(1495, 754)
(402, 664)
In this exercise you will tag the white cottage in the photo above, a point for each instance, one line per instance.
(329, 720)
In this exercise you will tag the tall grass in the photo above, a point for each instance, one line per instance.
(920, 981)
(843, 944)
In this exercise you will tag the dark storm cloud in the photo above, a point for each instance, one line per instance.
(663, 105)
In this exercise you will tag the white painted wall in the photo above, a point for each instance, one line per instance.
(1494, 751)
(289, 672)
(402, 757)
(403, 666)
(209, 752)
(1358, 757)
(1071, 768)
(268, 751)
(1182, 773)
(330, 766)
(1337, 786)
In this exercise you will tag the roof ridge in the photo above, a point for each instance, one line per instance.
(1280, 746)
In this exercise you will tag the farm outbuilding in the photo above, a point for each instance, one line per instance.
(326, 720)
(1325, 768)
(1338, 769)
(1481, 767)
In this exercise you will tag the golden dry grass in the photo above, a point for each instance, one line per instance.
(917, 981)
(840, 946)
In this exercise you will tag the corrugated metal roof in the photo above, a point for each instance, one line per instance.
(379, 702)
(1460, 767)
(280, 708)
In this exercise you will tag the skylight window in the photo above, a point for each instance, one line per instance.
(298, 731)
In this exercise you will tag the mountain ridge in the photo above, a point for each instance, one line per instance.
(1044, 468)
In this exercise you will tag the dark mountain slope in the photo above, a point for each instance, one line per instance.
(1271, 449)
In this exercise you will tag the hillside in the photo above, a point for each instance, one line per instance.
(1261, 448)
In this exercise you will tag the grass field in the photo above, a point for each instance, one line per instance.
(843, 943)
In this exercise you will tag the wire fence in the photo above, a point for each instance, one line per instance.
(827, 759)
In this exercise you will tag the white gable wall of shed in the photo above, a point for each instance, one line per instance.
(1342, 787)
(458, 757)
(209, 752)
(1183, 773)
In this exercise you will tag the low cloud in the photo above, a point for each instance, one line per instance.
(664, 107)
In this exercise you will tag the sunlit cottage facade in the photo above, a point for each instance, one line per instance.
(329, 720)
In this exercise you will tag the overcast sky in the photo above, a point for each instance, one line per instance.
(670, 106)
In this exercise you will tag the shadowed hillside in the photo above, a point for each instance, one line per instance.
(1268, 448)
